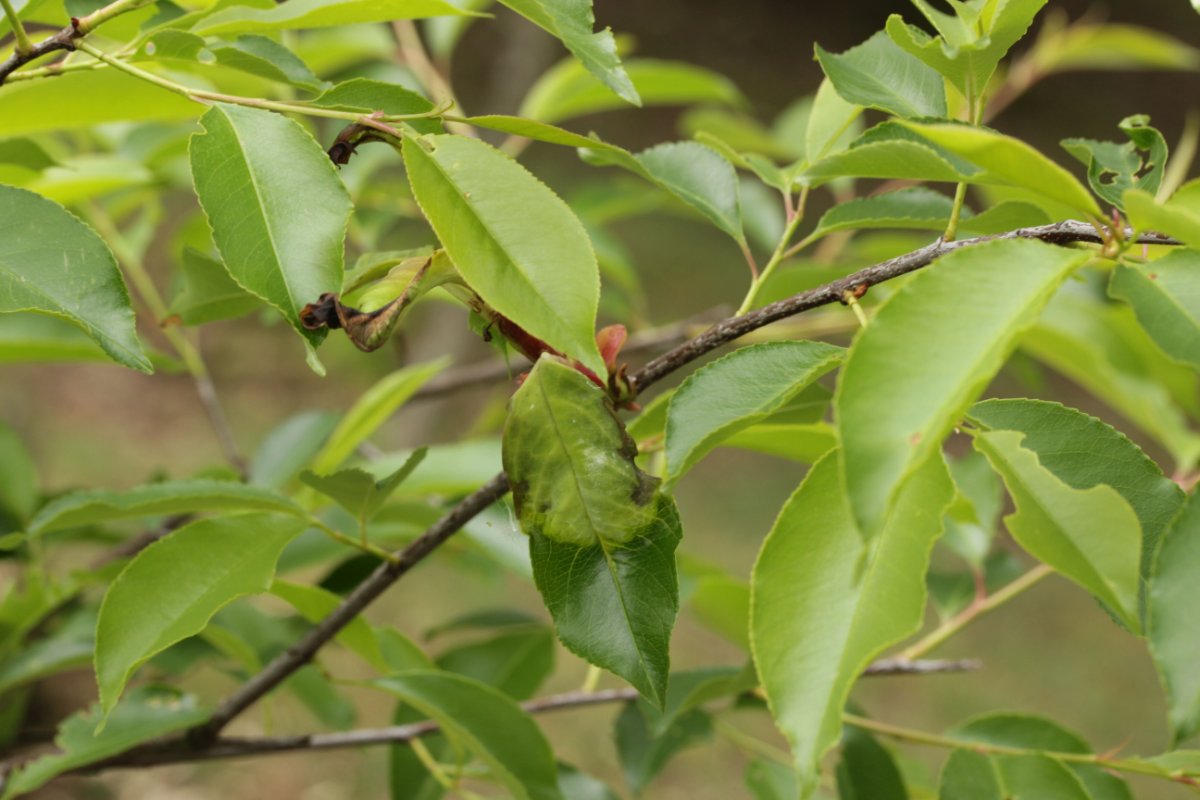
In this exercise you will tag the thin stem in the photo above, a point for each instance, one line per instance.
(972, 612)
(592, 679)
(750, 744)
(102, 15)
(192, 360)
(777, 257)
(899, 733)
(430, 763)
(357, 544)
(857, 308)
(960, 196)
(205, 96)
(23, 46)
(412, 52)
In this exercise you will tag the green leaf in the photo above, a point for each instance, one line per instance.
(571, 22)
(27, 337)
(369, 96)
(968, 775)
(512, 239)
(878, 74)
(267, 58)
(371, 410)
(277, 208)
(1032, 776)
(867, 770)
(890, 150)
(171, 589)
(643, 754)
(155, 499)
(567, 90)
(963, 314)
(289, 447)
(1004, 216)
(488, 724)
(967, 51)
(209, 293)
(146, 714)
(1178, 217)
(1100, 346)
(25, 153)
(357, 491)
(1082, 452)
(68, 647)
(972, 520)
(824, 603)
(602, 538)
(805, 443)
(1165, 295)
(87, 98)
(314, 604)
(1114, 46)
(1116, 168)
(770, 780)
(832, 123)
(296, 14)
(1057, 525)
(516, 662)
(918, 207)
(1174, 639)
(737, 391)
(51, 263)
(1010, 162)
(18, 476)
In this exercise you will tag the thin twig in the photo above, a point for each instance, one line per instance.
(67, 38)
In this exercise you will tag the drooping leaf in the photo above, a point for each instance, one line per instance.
(963, 315)
(146, 714)
(171, 589)
(1083, 452)
(878, 74)
(1056, 523)
(488, 724)
(567, 90)
(602, 539)
(572, 23)
(737, 391)
(370, 411)
(824, 602)
(1114, 168)
(299, 14)
(277, 208)
(643, 754)
(51, 263)
(1165, 295)
(512, 239)
(209, 293)
(1010, 162)
(155, 499)
(1174, 642)
(867, 770)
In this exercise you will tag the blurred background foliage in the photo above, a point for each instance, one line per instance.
(1052, 651)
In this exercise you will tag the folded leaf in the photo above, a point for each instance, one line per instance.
(52, 263)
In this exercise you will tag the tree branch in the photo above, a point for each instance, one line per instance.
(722, 333)
(67, 37)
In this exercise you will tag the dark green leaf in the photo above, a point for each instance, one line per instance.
(266, 58)
(18, 476)
(209, 293)
(643, 754)
(1174, 638)
(867, 770)
(515, 662)
(1116, 168)
(602, 538)
(488, 724)
(968, 775)
(357, 491)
